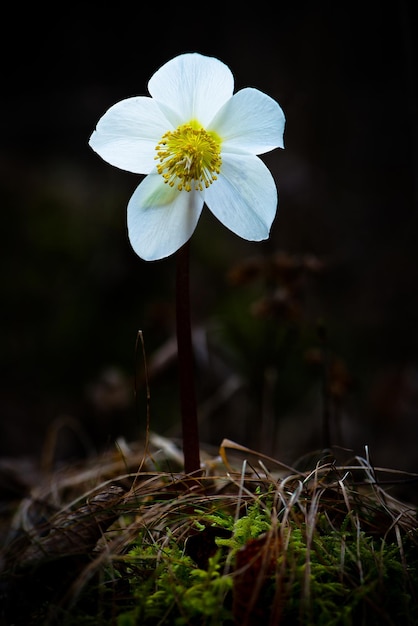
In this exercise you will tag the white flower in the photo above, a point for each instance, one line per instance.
(197, 142)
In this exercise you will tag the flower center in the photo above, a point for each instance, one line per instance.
(189, 157)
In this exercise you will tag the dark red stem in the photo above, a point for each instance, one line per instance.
(190, 429)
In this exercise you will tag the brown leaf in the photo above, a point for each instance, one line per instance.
(201, 546)
(75, 532)
(255, 564)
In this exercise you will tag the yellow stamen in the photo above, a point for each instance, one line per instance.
(189, 157)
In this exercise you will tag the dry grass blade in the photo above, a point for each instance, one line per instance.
(273, 521)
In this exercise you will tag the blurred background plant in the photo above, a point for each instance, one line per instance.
(333, 291)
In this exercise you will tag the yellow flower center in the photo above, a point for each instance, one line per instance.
(189, 157)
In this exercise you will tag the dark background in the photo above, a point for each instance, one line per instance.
(74, 295)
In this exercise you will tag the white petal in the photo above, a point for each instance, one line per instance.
(192, 86)
(244, 198)
(127, 134)
(250, 121)
(161, 219)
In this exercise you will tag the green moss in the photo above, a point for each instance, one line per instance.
(307, 549)
(176, 592)
(329, 577)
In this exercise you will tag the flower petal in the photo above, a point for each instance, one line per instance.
(127, 134)
(161, 219)
(244, 198)
(193, 87)
(250, 121)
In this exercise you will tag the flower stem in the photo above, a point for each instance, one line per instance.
(191, 448)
